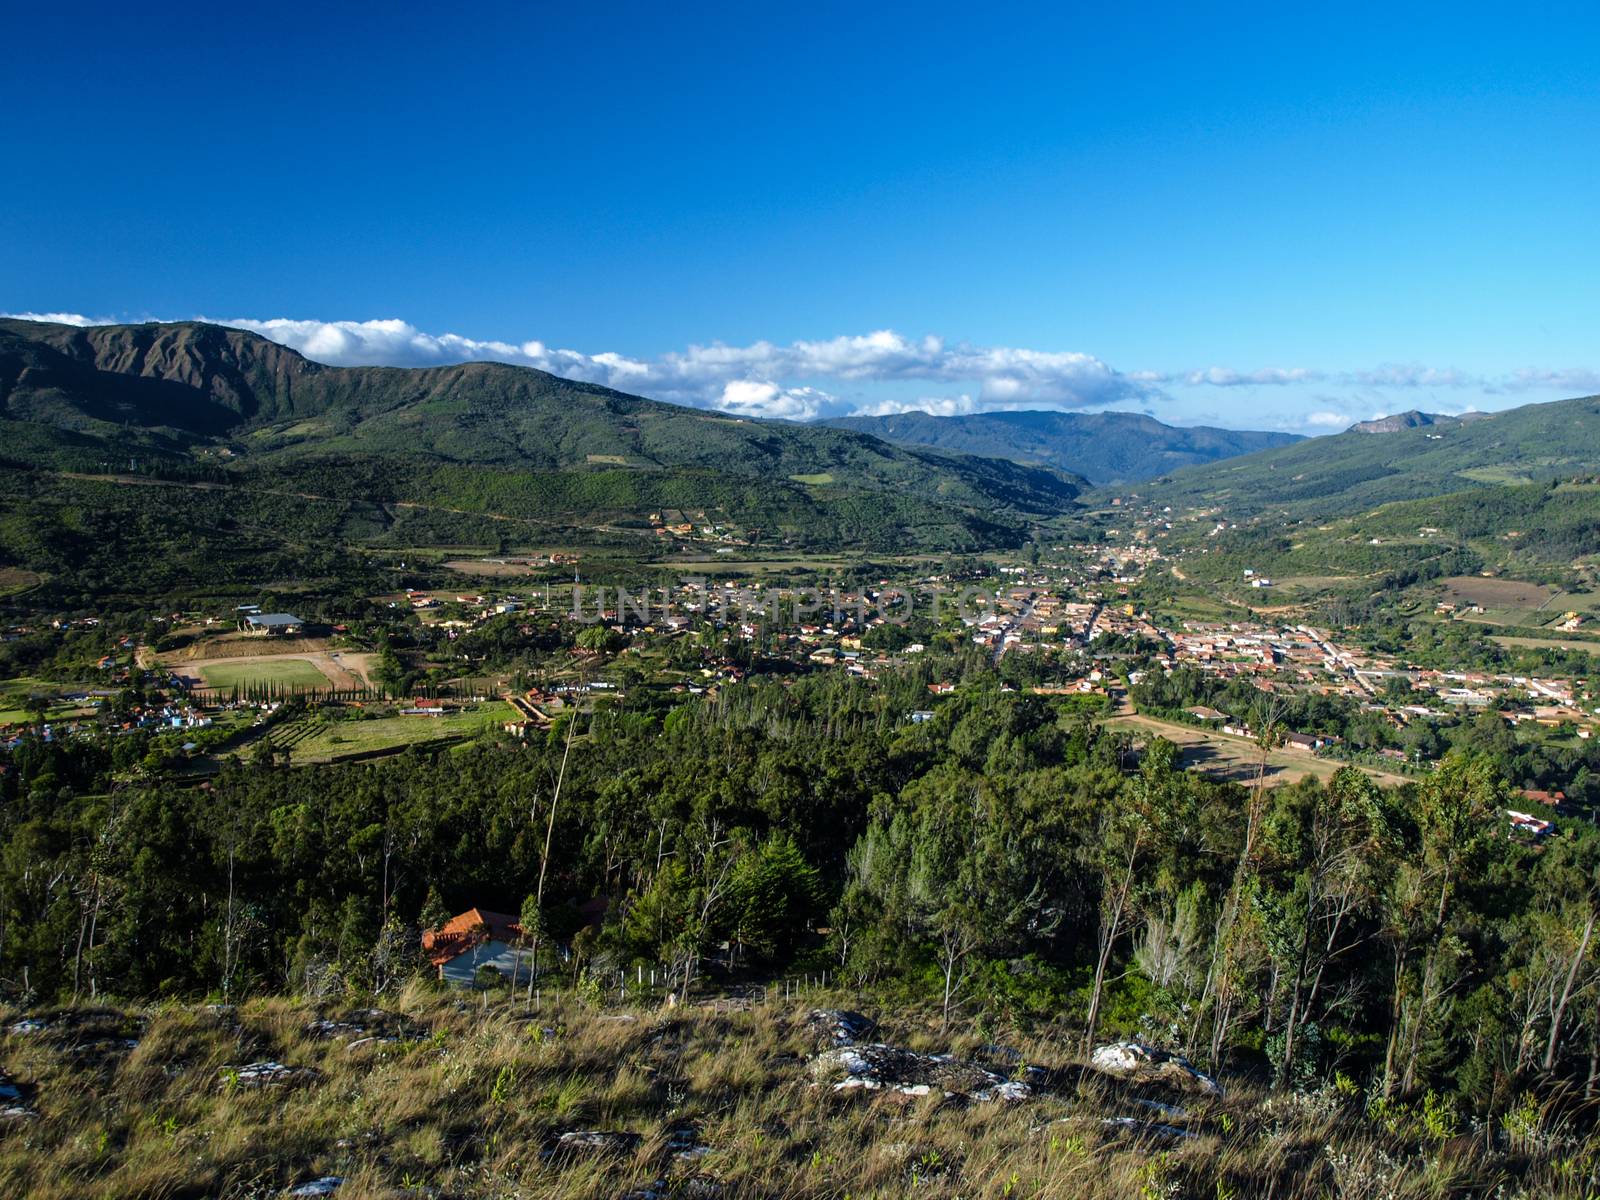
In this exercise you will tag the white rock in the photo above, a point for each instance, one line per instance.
(1140, 1063)
(325, 1186)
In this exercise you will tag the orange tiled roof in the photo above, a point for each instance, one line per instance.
(466, 930)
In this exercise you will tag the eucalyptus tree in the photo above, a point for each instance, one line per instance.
(1457, 813)
(1131, 828)
(1329, 849)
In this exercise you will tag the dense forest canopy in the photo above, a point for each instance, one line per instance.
(1007, 856)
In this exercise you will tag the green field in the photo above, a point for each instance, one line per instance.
(1537, 643)
(281, 672)
(14, 695)
(336, 739)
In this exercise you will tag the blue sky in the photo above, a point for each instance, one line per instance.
(1237, 214)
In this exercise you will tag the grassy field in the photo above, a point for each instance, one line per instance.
(705, 563)
(337, 739)
(1496, 474)
(1504, 594)
(233, 661)
(1537, 643)
(441, 1095)
(280, 672)
(1304, 584)
(492, 568)
(1224, 756)
(15, 580)
(14, 694)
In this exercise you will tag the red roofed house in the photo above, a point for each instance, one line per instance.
(1553, 799)
(473, 940)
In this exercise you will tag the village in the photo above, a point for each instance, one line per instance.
(438, 665)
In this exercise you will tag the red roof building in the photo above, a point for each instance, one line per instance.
(466, 932)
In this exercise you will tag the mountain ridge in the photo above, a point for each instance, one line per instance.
(1359, 470)
(1105, 448)
(1412, 419)
(190, 396)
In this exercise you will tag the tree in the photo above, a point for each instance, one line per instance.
(1220, 998)
(38, 706)
(773, 893)
(1129, 826)
(1331, 847)
(544, 860)
(434, 914)
(1457, 808)
(1568, 895)
(393, 956)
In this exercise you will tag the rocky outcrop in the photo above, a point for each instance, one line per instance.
(840, 1027)
(368, 1027)
(1135, 1062)
(268, 1074)
(597, 1141)
(876, 1067)
(1154, 1130)
(14, 1105)
(327, 1185)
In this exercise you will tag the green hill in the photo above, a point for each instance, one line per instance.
(1103, 447)
(471, 454)
(1359, 470)
(1548, 530)
(189, 384)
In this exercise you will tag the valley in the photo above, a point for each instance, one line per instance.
(709, 742)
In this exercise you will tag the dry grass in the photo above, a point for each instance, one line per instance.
(1496, 593)
(469, 1101)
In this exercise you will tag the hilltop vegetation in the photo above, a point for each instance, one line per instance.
(598, 1097)
(1357, 471)
(1540, 532)
(1102, 447)
(1413, 987)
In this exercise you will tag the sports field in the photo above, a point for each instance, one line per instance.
(278, 672)
(233, 660)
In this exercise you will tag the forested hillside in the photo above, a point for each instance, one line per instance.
(492, 445)
(1355, 471)
(1102, 447)
(1005, 858)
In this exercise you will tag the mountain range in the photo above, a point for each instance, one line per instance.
(476, 453)
(179, 451)
(1109, 447)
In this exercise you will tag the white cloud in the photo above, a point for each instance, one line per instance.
(1569, 379)
(1390, 375)
(755, 398)
(939, 406)
(792, 379)
(701, 374)
(58, 318)
(1229, 377)
(1409, 375)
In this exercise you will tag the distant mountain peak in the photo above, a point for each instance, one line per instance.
(1411, 419)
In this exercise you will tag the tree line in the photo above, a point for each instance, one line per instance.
(1008, 860)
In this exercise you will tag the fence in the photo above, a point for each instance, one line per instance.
(644, 985)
